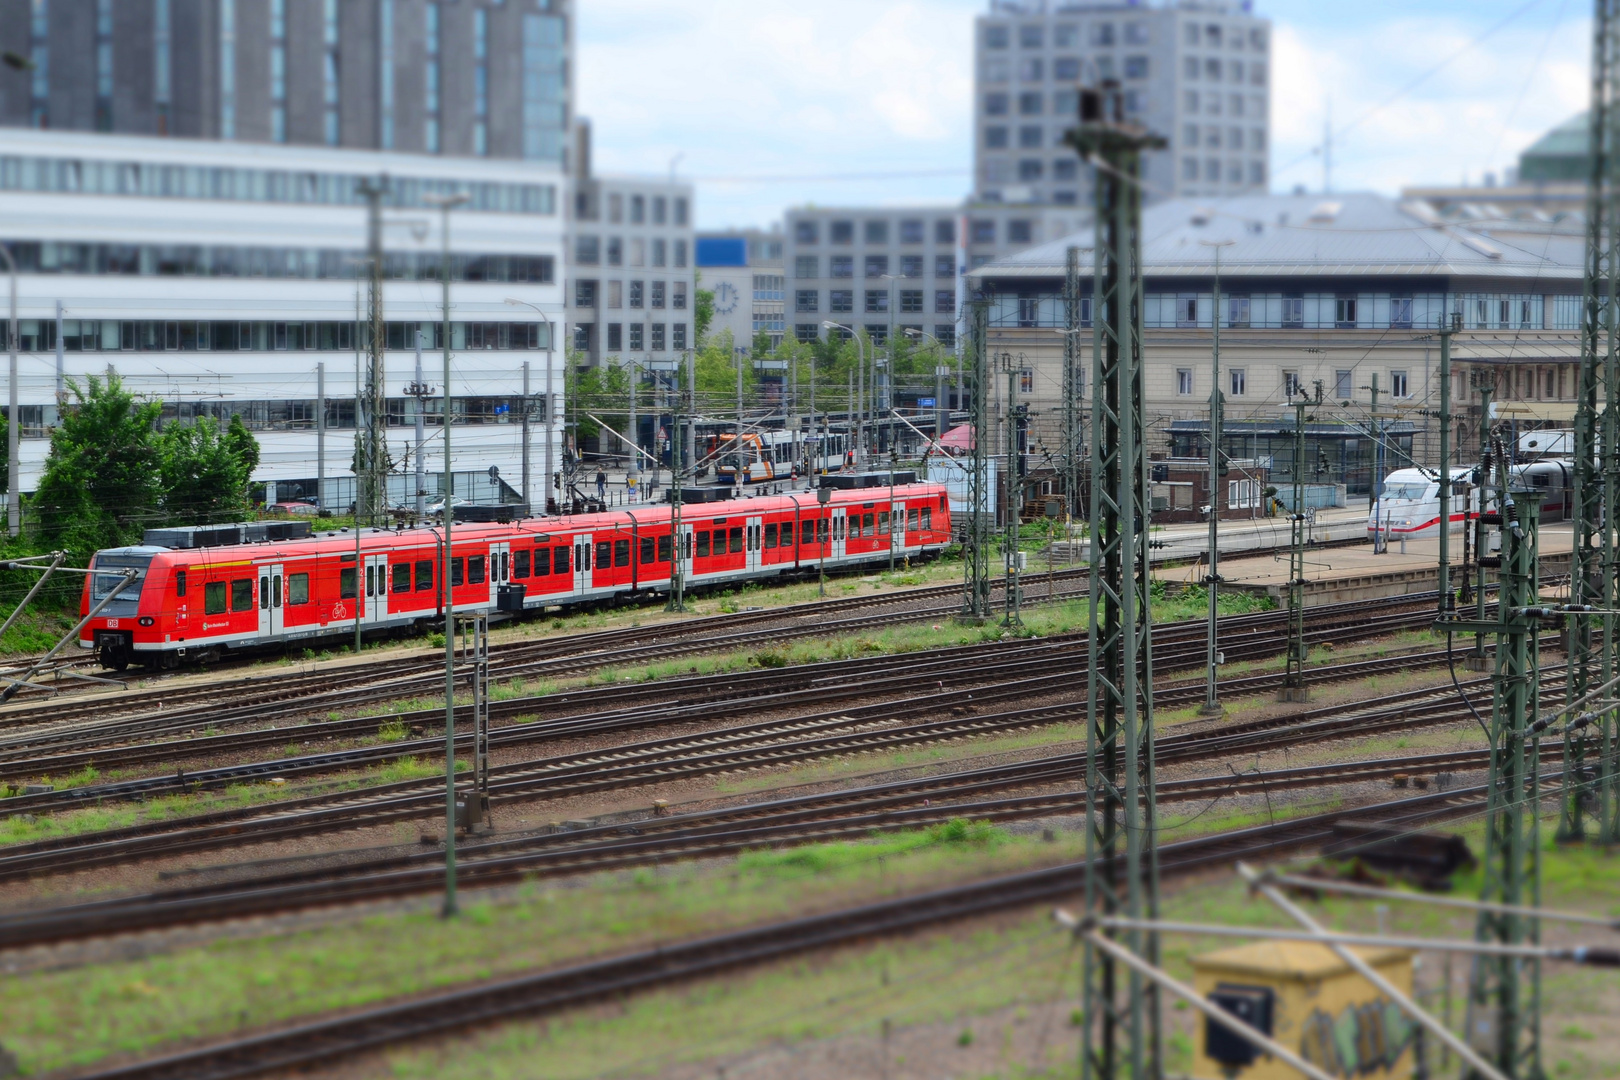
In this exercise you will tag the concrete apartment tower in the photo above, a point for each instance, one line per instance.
(1197, 72)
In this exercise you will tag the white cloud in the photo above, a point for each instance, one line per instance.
(748, 88)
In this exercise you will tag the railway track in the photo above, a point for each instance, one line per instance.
(875, 728)
(112, 744)
(329, 1039)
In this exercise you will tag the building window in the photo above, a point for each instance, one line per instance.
(944, 266)
(911, 231)
(1136, 67)
(615, 251)
(1344, 312)
(637, 338)
(679, 300)
(385, 74)
(877, 232)
(638, 210)
(807, 300)
(841, 266)
(658, 251)
(480, 73)
(587, 250)
(658, 294)
(615, 336)
(911, 266)
(877, 300)
(878, 332)
(995, 37)
(1398, 386)
(1066, 69)
(806, 266)
(1065, 168)
(807, 332)
(227, 69)
(430, 88)
(678, 336)
(637, 294)
(1239, 381)
(877, 265)
(1020, 231)
(1293, 312)
(945, 231)
(1291, 384)
(1237, 312)
(679, 261)
(660, 209)
(582, 337)
(1031, 103)
(944, 301)
(841, 232)
(1184, 381)
(984, 231)
(1031, 70)
(946, 334)
(585, 294)
(1400, 312)
(995, 104)
(1341, 385)
(657, 337)
(329, 71)
(160, 64)
(805, 232)
(1031, 136)
(615, 296)
(841, 300)
(911, 300)
(995, 137)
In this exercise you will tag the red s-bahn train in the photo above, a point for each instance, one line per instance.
(193, 604)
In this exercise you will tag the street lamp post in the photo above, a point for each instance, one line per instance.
(545, 500)
(860, 428)
(446, 203)
(1212, 704)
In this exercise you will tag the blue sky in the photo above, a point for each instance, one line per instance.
(772, 104)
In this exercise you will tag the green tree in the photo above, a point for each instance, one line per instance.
(205, 472)
(702, 314)
(103, 479)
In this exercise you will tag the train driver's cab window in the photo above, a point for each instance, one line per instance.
(346, 580)
(560, 562)
(242, 594)
(702, 544)
(179, 583)
(298, 588)
(664, 548)
(604, 554)
(736, 539)
(402, 576)
(424, 575)
(621, 553)
(214, 598)
(458, 571)
(520, 564)
(475, 570)
(770, 535)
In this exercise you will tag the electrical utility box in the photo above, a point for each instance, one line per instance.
(1309, 1000)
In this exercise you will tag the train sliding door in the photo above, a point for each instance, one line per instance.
(839, 523)
(376, 609)
(755, 544)
(582, 563)
(270, 600)
(500, 569)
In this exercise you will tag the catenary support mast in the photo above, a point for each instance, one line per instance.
(1121, 1034)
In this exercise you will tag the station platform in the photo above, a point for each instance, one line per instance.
(1355, 572)
(1182, 543)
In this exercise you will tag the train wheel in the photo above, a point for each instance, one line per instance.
(114, 660)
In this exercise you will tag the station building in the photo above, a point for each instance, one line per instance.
(1344, 291)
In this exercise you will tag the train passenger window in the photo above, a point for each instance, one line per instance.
(214, 598)
(402, 576)
(264, 593)
(664, 547)
(927, 519)
(179, 583)
(649, 547)
(807, 531)
(604, 554)
(770, 536)
(424, 575)
(702, 544)
(475, 570)
(458, 571)
(867, 528)
(912, 517)
(346, 583)
(883, 523)
(542, 561)
(736, 540)
(821, 531)
(559, 563)
(297, 588)
(520, 564)
(621, 553)
(242, 594)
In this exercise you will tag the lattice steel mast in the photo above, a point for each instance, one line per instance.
(1122, 1034)
(976, 539)
(1597, 458)
(1072, 384)
(1294, 688)
(371, 444)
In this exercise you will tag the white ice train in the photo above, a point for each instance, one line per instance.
(1410, 503)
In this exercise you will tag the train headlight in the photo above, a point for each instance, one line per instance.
(146, 620)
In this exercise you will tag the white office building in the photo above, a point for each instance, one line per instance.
(227, 278)
(743, 268)
(1197, 72)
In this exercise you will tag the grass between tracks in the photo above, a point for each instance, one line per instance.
(982, 985)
